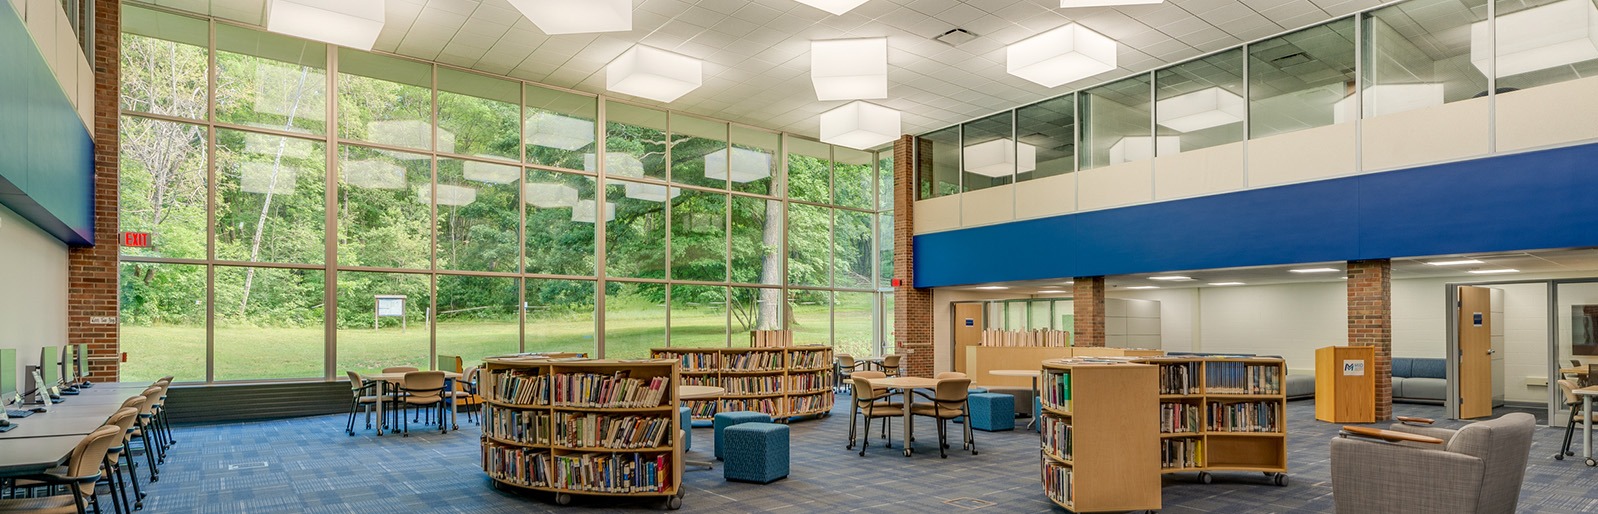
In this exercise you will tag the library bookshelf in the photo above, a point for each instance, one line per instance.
(1222, 414)
(784, 382)
(1097, 426)
(583, 427)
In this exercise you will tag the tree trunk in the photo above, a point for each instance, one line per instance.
(271, 188)
(770, 302)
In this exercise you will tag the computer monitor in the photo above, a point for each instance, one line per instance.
(83, 364)
(8, 375)
(50, 366)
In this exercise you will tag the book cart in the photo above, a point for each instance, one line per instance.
(1097, 425)
(1222, 414)
(583, 427)
(784, 382)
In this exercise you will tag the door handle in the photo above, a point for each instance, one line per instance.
(1490, 352)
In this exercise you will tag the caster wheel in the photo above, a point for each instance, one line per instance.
(1205, 478)
(907, 453)
(973, 452)
(563, 499)
(673, 503)
(1281, 479)
(1559, 456)
(1570, 454)
(1591, 462)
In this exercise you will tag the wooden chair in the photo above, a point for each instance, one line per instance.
(890, 364)
(872, 404)
(363, 397)
(948, 401)
(423, 388)
(79, 477)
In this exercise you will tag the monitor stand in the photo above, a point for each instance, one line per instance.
(69, 391)
(86, 384)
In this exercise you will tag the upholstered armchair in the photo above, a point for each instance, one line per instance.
(1425, 470)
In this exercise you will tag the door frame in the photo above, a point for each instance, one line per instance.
(954, 322)
(1551, 371)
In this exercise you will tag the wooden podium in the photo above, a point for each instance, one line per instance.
(1345, 384)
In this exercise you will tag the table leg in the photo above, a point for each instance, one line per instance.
(382, 398)
(1035, 392)
(1586, 427)
(908, 425)
(453, 401)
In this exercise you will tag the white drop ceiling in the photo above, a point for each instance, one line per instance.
(757, 51)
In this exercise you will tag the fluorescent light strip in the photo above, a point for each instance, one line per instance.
(1171, 278)
(1455, 263)
(1494, 271)
(1227, 283)
(990, 288)
(1314, 270)
(1051, 292)
(1144, 287)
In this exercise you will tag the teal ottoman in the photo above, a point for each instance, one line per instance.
(756, 452)
(728, 419)
(1037, 411)
(992, 412)
(971, 391)
(684, 418)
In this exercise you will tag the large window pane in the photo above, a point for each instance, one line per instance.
(1115, 124)
(699, 154)
(811, 318)
(885, 249)
(854, 323)
(268, 80)
(852, 253)
(756, 159)
(635, 319)
(382, 321)
(885, 179)
(477, 317)
(161, 187)
(483, 113)
(382, 219)
(1049, 127)
(853, 178)
(938, 154)
(270, 198)
(387, 101)
(699, 236)
(560, 223)
(478, 216)
(809, 245)
(1201, 102)
(164, 69)
(756, 240)
(269, 323)
(163, 321)
(754, 309)
(809, 170)
(1414, 58)
(635, 236)
(699, 317)
(559, 128)
(991, 156)
(560, 316)
(1296, 80)
(1529, 34)
(635, 142)
(890, 342)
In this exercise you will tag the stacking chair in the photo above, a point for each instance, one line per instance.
(945, 375)
(363, 397)
(128, 430)
(423, 388)
(890, 364)
(163, 431)
(872, 404)
(115, 485)
(451, 363)
(847, 366)
(465, 393)
(948, 401)
(400, 369)
(80, 475)
(144, 427)
(1573, 403)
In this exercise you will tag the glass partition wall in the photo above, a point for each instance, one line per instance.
(315, 210)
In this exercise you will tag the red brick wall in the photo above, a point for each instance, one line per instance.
(1370, 322)
(92, 272)
(1088, 306)
(912, 308)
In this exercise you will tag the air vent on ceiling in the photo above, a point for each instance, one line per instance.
(1291, 60)
(955, 37)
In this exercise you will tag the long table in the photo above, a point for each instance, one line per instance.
(45, 439)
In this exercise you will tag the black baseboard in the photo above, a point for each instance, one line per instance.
(244, 402)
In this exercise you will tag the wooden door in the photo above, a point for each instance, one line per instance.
(967, 331)
(1475, 376)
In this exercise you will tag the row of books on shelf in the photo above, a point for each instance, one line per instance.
(523, 466)
(692, 362)
(700, 380)
(1056, 437)
(1055, 389)
(590, 430)
(522, 426)
(1242, 378)
(1179, 378)
(1181, 453)
(613, 473)
(1037, 337)
(751, 361)
(810, 403)
(767, 384)
(808, 381)
(703, 409)
(809, 359)
(519, 386)
(1176, 417)
(615, 390)
(1244, 417)
(766, 405)
(1057, 482)
(770, 338)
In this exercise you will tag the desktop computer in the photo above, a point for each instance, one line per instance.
(8, 390)
(83, 366)
(69, 365)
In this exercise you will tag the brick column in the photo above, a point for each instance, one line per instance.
(912, 308)
(1087, 301)
(1370, 323)
(92, 271)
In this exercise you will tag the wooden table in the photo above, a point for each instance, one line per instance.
(385, 379)
(698, 392)
(1573, 371)
(19, 457)
(1586, 394)
(1022, 373)
(905, 385)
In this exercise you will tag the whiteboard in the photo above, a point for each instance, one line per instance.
(391, 307)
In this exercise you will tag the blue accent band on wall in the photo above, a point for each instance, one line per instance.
(46, 155)
(1534, 200)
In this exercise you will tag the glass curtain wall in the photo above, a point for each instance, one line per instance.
(1116, 119)
(314, 210)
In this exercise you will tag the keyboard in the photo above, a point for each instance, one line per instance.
(19, 413)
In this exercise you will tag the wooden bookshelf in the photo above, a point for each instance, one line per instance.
(534, 436)
(784, 382)
(1222, 414)
(1098, 425)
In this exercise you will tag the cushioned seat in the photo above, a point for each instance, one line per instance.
(992, 412)
(1300, 386)
(684, 420)
(756, 452)
(728, 419)
(1420, 380)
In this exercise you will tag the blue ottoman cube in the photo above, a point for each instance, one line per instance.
(992, 412)
(727, 419)
(1037, 411)
(756, 452)
(684, 418)
(970, 391)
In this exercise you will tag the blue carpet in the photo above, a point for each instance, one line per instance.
(309, 465)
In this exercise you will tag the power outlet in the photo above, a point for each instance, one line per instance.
(102, 320)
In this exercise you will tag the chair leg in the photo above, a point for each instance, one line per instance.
(852, 413)
(149, 454)
(1570, 431)
(943, 441)
(133, 476)
(349, 426)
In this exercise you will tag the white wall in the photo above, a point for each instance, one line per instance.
(33, 272)
(942, 330)
(1178, 315)
(1290, 320)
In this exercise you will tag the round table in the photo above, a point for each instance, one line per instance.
(1033, 373)
(384, 380)
(698, 392)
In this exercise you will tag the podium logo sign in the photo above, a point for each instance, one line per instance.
(1354, 368)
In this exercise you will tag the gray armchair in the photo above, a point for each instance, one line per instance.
(1424, 470)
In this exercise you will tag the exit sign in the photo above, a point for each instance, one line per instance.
(136, 239)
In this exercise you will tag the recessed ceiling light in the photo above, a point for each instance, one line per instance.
(652, 73)
(351, 23)
(1494, 271)
(1314, 270)
(849, 69)
(1104, 3)
(1226, 283)
(1050, 291)
(990, 287)
(1455, 262)
(833, 6)
(1144, 287)
(1071, 52)
(577, 16)
(1171, 278)
(860, 125)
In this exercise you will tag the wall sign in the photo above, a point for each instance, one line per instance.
(970, 322)
(1475, 319)
(1354, 368)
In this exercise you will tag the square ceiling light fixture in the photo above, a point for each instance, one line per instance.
(651, 192)
(267, 178)
(649, 72)
(1000, 158)
(409, 134)
(374, 174)
(617, 164)
(860, 125)
(1105, 3)
(577, 16)
(849, 69)
(1065, 54)
(1199, 110)
(1384, 99)
(490, 173)
(1137, 148)
(746, 166)
(833, 6)
(351, 23)
(584, 211)
(447, 195)
(1547, 36)
(551, 130)
(545, 195)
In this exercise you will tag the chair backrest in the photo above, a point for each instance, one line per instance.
(151, 396)
(133, 401)
(863, 393)
(357, 384)
(846, 361)
(952, 391)
(1569, 389)
(468, 379)
(450, 363)
(424, 384)
(890, 361)
(1503, 445)
(89, 455)
(400, 369)
(1575, 363)
(123, 418)
(944, 375)
(868, 374)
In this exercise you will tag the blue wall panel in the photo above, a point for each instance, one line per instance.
(1544, 199)
(46, 155)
